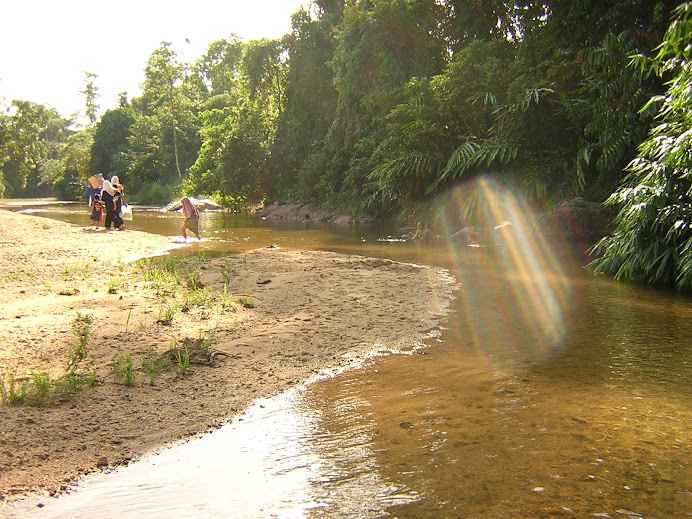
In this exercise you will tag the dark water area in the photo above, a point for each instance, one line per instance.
(551, 393)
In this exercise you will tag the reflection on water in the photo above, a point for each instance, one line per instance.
(551, 393)
(283, 459)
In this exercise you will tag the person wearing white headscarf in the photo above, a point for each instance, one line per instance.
(108, 188)
(112, 196)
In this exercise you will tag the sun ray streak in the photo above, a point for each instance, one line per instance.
(529, 287)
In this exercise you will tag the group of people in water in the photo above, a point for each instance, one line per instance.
(108, 197)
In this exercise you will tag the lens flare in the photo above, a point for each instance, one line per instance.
(527, 285)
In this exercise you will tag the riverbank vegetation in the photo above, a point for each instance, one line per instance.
(175, 284)
(380, 106)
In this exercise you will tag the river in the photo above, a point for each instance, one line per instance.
(551, 393)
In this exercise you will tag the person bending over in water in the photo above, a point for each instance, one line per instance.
(191, 218)
(466, 236)
(423, 233)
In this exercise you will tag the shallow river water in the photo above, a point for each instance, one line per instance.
(551, 393)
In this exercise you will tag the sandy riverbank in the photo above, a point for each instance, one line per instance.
(312, 311)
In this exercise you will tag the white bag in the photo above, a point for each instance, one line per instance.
(126, 213)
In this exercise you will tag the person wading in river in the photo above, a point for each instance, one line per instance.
(191, 218)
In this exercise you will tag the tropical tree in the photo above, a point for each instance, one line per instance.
(5, 149)
(232, 157)
(165, 135)
(52, 165)
(91, 93)
(111, 143)
(218, 70)
(380, 47)
(584, 24)
(74, 168)
(238, 126)
(25, 126)
(607, 105)
(163, 74)
(652, 241)
(309, 96)
(441, 118)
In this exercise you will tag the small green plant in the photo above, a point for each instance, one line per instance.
(123, 369)
(127, 322)
(93, 378)
(42, 385)
(116, 284)
(200, 297)
(83, 319)
(247, 303)
(182, 359)
(77, 351)
(164, 273)
(207, 343)
(162, 282)
(167, 313)
(40, 389)
(227, 270)
(153, 366)
(68, 291)
(226, 298)
(66, 386)
(72, 272)
(194, 279)
(8, 387)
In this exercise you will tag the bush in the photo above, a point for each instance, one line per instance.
(156, 193)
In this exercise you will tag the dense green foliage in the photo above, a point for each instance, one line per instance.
(31, 133)
(379, 106)
(653, 238)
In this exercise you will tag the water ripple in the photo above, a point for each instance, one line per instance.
(281, 460)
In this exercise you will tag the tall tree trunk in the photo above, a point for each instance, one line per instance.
(175, 151)
(175, 138)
